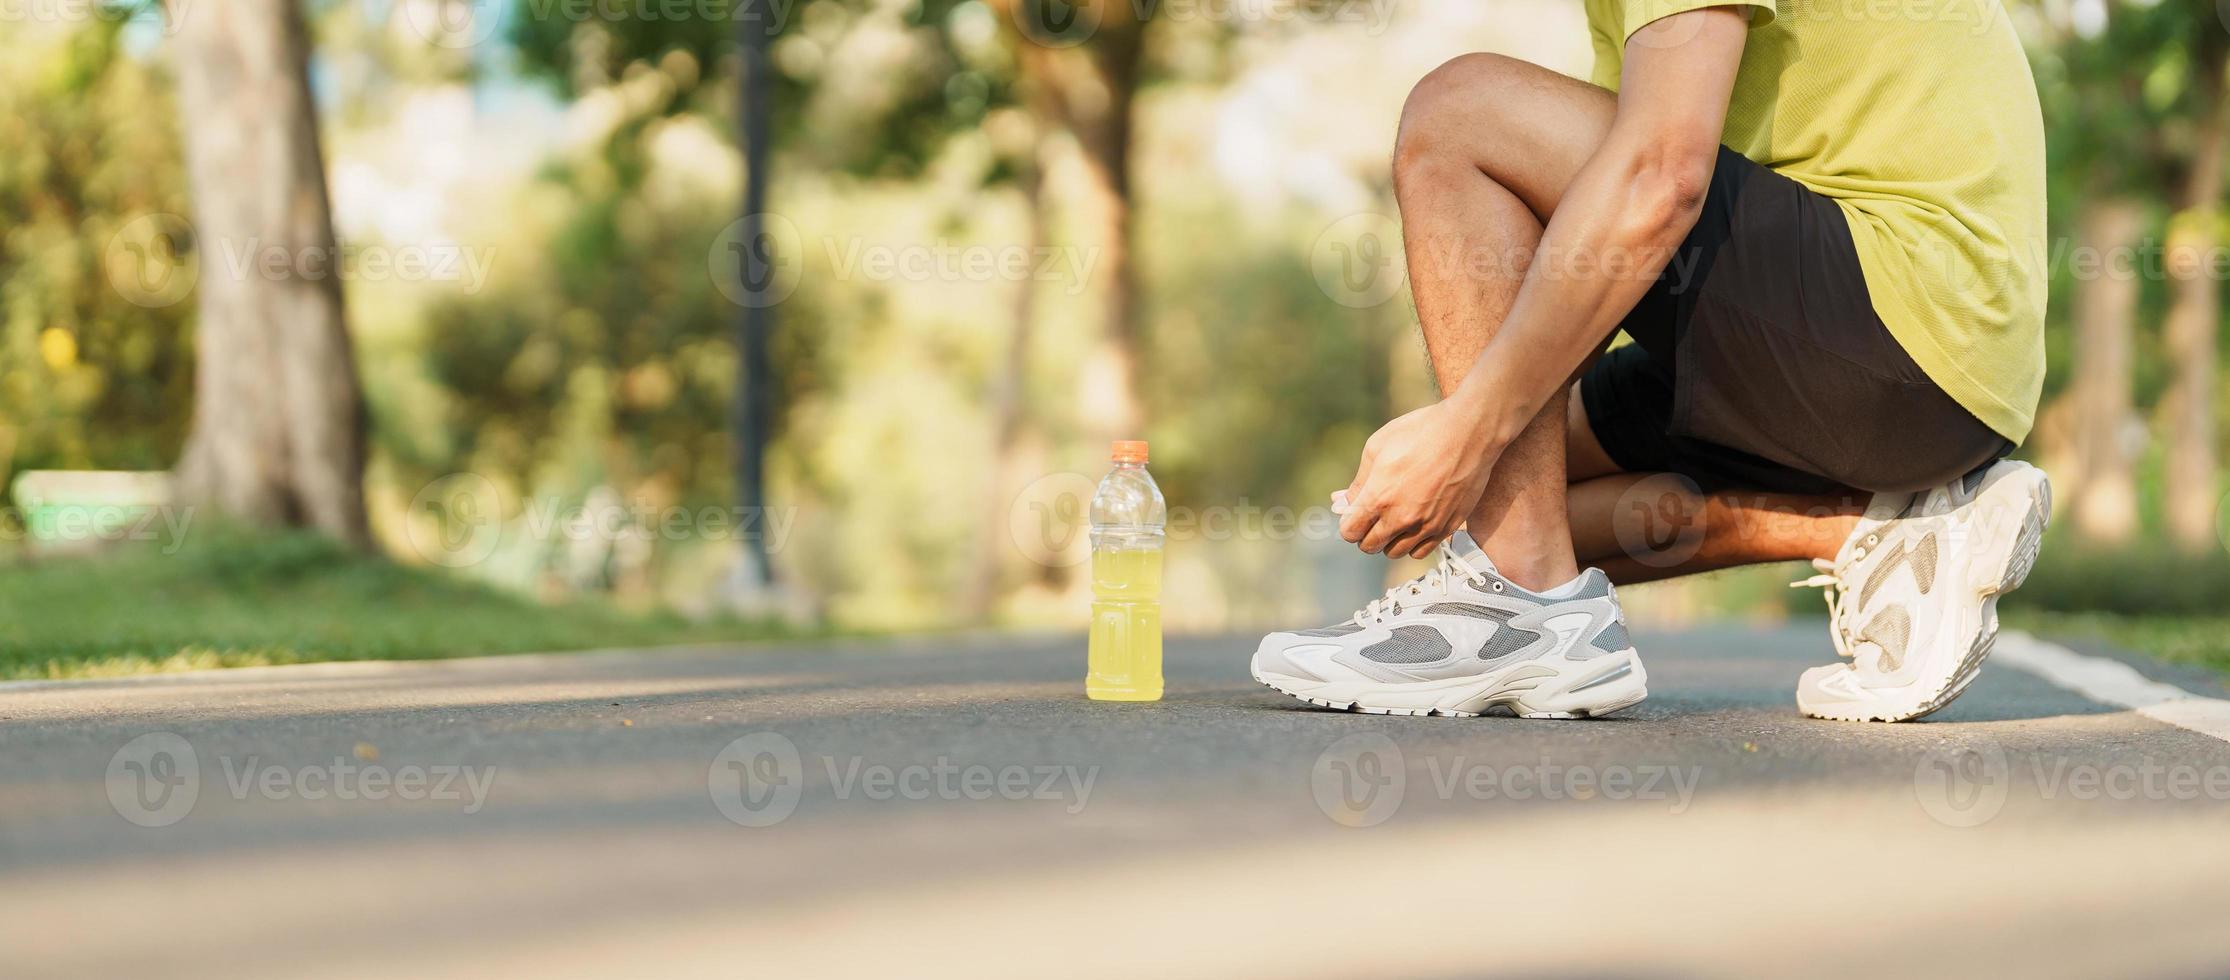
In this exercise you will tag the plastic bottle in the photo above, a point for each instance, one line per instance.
(1123, 656)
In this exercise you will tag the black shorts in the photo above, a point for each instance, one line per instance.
(1758, 362)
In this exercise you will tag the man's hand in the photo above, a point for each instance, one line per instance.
(1420, 476)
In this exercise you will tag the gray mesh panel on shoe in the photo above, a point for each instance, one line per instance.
(1341, 630)
(1890, 630)
(1409, 645)
(1613, 638)
(1921, 556)
(1506, 641)
(1471, 609)
(1924, 562)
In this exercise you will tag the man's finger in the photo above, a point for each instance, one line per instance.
(1400, 546)
(1428, 536)
(1381, 534)
(1361, 514)
(1416, 544)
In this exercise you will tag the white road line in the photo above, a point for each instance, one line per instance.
(2114, 682)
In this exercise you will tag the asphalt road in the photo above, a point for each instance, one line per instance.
(952, 805)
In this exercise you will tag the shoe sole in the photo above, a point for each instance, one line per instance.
(2012, 570)
(1588, 688)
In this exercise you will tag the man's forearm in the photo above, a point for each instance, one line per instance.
(1625, 212)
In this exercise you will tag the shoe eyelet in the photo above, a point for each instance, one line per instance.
(1873, 539)
(1498, 586)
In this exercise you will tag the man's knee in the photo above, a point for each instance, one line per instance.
(1449, 111)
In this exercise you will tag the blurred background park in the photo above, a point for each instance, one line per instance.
(467, 327)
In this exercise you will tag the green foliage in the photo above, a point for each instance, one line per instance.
(1259, 387)
(889, 116)
(616, 335)
(233, 598)
(576, 54)
(2142, 580)
(2112, 128)
(2121, 118)
(88, 378)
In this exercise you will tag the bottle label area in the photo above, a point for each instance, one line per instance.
(1124, 652)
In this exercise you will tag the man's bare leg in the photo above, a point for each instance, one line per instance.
(1487, 146)
(1641, 532)
(1641, 527)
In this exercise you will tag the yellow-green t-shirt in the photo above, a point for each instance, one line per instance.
(1920, 119)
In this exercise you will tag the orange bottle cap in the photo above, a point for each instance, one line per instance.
(1128, 451)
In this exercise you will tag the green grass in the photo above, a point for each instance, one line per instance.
(232, 599)
(2148, 579)
(2201, 640)
(2146, 597)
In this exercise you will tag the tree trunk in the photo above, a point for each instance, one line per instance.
(1083, 84)
(1102, 123)
(278, 430)
(754, 398)
(1008, 397)
(2101, 478)
(2192, 321)
(1088, 90)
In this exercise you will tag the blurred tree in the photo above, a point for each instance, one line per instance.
(1078, 66)
(1009, 390)
(2101, 477)
(278, 429)
(753, 419)
(2194, 314)
(1088, 87)
(777, 88)
(95, 346)
(2102, 142)
(2118, 136)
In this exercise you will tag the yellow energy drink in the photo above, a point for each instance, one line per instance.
(1123, 651)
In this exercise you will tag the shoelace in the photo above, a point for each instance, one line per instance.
(1830, 580)
(1436, 578)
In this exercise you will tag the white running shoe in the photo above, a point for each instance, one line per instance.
(1460, 639)
(1912, 598)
